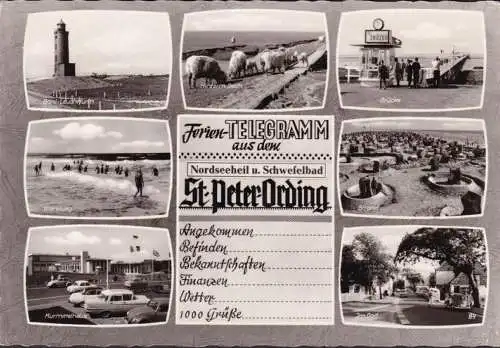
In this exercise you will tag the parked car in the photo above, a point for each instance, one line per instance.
(136, 283)
(422, 291)
(114, 301)
(59, 283)
(401, 293)
(79, 285)
(155, 311)
(79, 298)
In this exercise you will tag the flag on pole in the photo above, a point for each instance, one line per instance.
(156, 253)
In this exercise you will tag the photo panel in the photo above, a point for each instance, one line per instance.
(411, 60)
(98, 167)
(254, 59)
(97, 61)
(413, 167)
(414, 276)
(98, 275)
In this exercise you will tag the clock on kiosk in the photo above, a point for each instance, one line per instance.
(378, 24)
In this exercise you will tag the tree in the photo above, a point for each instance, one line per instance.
(376, 264)
(461, 248)
(413, 278)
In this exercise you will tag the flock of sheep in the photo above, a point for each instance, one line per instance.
(240, 65)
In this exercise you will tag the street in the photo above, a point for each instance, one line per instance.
(51, 306)
(395, 311)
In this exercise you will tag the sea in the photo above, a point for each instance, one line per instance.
(70, 193)
(475, 62)
(196, 40)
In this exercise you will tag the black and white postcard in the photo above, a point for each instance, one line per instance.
(411, 60)
(254, 59)
(98, 168)
(97, 60)
(98, 275)
(413, 167)
(414, 276)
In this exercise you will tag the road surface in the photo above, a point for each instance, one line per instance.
(405, 311)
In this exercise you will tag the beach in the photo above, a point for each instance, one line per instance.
(71, 193)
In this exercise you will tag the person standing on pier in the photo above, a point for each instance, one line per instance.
(436, 71)
(398, 71)
(383, 73)
(409, 72)
(416, 72)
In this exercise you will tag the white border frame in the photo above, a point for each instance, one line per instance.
(167, 100)
(251, 218)
(403, 217)
(68, 227)
(419, 327)
(85, 119)
(268, 111)
(375, 11)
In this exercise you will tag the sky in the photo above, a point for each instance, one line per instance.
(390, 238)
(421, 31)
(111, 242)
(111, 42)
(255, 20)
(94, 135)
(414, 124)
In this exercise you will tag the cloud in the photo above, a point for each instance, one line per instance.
(115, 241)
(426, 31)
(139, 145)
(87, 131)
(72, 238)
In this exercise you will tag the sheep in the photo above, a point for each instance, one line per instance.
(274, 60)
(252, 66)
(303, 59)
(260, 60)
(237, 64)
(203, 66)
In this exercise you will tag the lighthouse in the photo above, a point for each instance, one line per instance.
(62, 66)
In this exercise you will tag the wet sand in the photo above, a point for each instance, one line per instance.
(463, 96)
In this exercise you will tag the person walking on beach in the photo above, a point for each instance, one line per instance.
(139, 182)
(383, 73)
(416, 72)
(398, 70)
(97, 169)
(126, 172)
(409, 72)
(155, 171)
(436, 72)
(52, 167)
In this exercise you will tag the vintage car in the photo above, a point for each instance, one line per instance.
(401, 293)
(136, 282)
(79, 298)
(114, 301)
(79, 285)
(155, 311)
(422, 291)
(60, 282)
